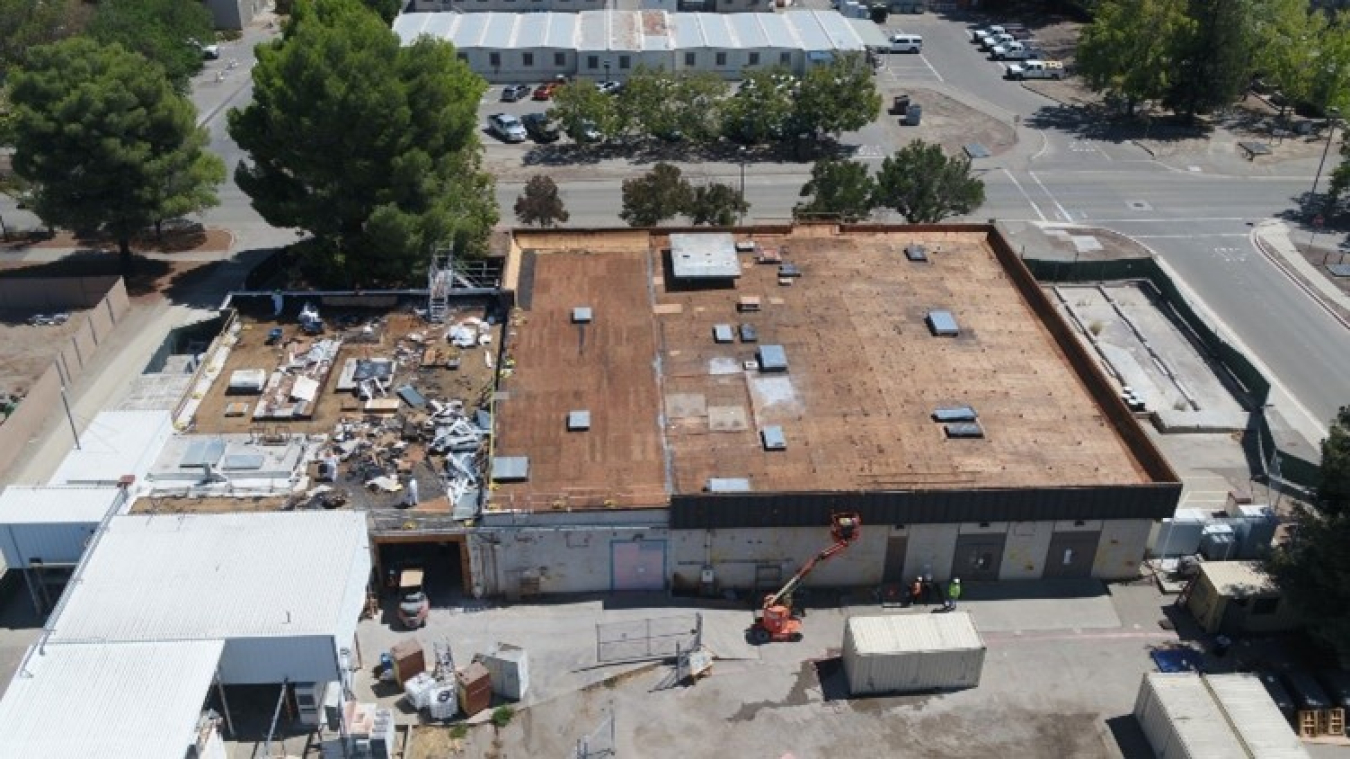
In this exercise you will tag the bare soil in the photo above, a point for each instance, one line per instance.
(176, 238)
(26, 351)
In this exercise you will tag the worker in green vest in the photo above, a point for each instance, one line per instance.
(953, 593)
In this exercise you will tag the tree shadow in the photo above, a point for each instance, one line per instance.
(1105, 124)
(647, 151)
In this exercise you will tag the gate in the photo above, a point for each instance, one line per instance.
(638, 565)
(653, 638)
(1071, 555)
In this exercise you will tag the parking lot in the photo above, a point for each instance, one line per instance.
(1063, 666)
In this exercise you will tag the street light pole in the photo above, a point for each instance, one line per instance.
(1331, 131)
(742, 157)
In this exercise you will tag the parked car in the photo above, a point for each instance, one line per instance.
(610, 87)
(1035, 70)
(906, 43)
(507, 127)
(993, 41)
(540, 127)
(513, 92)
(977, 36)
(585, 131)
(545, 91)
(1014, 51)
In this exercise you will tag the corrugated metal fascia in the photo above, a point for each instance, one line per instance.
(699, 511)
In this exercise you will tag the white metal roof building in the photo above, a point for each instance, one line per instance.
(529, 47)
(115, 444)
(130, 699)
(284, 590)
(51, 524)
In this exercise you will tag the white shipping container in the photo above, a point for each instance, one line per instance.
(1255, 716)
(508, 671)
(1181, 719)
(912, 652)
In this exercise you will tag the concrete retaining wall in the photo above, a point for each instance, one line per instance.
(94, 326)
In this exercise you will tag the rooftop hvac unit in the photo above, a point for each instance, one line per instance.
(382, 739)
(1218, 543)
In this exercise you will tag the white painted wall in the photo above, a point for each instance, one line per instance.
(1024, 551)
(734, 554)
(1121, 549)
(930, 550)
(566, 560)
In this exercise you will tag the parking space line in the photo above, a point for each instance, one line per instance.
(930, 68)
(1063, 213)
(1018, 185)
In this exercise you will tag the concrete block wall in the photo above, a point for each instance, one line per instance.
(1121, 548)
(566, 560)
(931, 549)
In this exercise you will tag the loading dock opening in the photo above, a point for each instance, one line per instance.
(445, 558)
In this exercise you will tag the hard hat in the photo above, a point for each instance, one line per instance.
(956, 580)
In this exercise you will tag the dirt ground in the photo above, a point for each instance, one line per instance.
(176, 238)
(949, 122)
(26, 351)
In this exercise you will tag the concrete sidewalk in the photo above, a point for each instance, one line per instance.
(1273, 238)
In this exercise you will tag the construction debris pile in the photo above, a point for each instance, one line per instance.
(293, 387)
(401, 423)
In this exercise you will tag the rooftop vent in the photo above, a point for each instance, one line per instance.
(722, 333)
(511, 468)
(773, 439)
(955, 414)
(786, 271)
(578, 421)
(748, 303)
(749, 334)
(772, 358)
(916, 252)
(943, 324)
(728, 485)
(964, 430)
(581, 315)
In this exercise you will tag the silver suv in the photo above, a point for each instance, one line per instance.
(507, 127)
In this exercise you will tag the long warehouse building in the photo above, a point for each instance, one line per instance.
(534, 47)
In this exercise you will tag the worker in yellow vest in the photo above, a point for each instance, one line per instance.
(953, 593)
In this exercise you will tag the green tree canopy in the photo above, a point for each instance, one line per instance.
(1313, 571)
(539, 203)
(838, 189)
(716, 204)
(1127, 49)
(370, 146)
(1291, 37)
(167, 32)
(1212, 61)
(762, 110)
(106, 142)
(840, 96)
(925, 186)
(660, 194)
(25, 24)
(578, 103)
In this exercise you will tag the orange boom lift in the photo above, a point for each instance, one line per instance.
(775, 620)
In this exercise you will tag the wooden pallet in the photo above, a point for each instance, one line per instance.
(1307, 723)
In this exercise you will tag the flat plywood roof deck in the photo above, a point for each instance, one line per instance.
(865, 374)
(605, 366)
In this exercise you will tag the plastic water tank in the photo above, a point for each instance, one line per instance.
(444, 703)
(418, 689)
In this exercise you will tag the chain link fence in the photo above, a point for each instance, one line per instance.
(652, 638)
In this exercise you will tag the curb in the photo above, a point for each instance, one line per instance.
(1312, 292)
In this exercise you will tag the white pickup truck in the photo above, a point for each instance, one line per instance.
(1013, 51)
(1036, 70)
(994, 40)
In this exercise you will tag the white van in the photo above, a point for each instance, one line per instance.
(906, 43)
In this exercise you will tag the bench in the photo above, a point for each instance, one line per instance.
(1254, 149)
